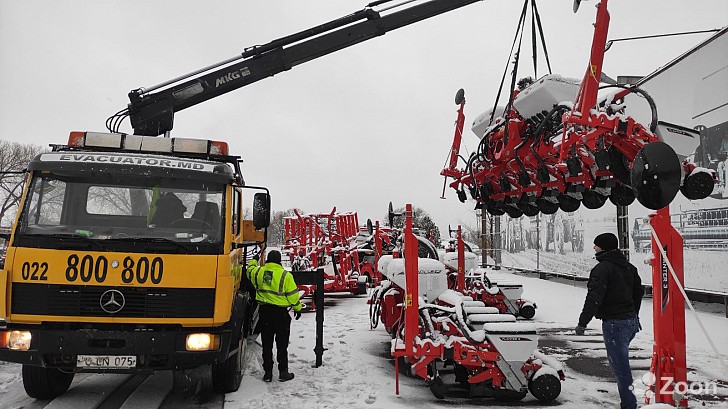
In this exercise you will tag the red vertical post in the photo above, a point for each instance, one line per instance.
(457, 138)
(668, 309)
(352, 226)
(461, 260)
(377, 241)
(378, 248)
(287, 228)
(411, 271)
(586, 99)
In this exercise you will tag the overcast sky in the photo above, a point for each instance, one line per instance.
(355, 129)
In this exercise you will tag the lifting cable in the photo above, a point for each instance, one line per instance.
(535, 24)
(513, 46)
(536, 20)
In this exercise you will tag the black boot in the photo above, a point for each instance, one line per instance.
(268, 377)
(285, 376)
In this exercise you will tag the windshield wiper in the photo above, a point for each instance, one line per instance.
(71, 238)
(160, 240)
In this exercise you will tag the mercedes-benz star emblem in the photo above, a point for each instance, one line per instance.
(112, 301)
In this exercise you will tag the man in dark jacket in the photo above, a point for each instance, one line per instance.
(614, 296)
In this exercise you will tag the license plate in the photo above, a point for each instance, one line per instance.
(106, 361)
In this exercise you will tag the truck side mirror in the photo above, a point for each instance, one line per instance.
(261, 210)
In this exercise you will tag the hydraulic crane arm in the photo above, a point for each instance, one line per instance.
(152, 113)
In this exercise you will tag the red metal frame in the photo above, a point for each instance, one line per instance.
(585, 131)
(461, 261)
(411, 263)
(451, 169)
(479, 359)
(381, 235)
(477, 289)
(669, 363)
(326, 234)
(519, 167)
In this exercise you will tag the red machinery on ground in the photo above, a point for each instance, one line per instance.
(433, 326)
(325, 240)
(375, 242)
(539, 153)
(473, 282)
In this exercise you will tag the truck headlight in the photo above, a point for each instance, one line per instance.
(202, 342)
(16, 340)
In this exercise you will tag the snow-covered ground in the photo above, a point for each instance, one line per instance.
(358, 371)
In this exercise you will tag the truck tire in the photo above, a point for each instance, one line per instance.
(227, 375)
(45, 383)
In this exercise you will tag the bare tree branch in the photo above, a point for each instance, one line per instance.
(14, 157)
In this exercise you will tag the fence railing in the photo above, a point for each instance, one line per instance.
(700, 295)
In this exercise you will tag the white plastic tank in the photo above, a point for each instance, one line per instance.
(544, 93)
(432, 276)
(482, 121)
(451, 260)
(383, 263)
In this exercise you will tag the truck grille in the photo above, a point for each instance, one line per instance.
(139, 302)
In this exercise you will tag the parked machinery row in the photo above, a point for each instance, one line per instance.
(325, 240)
(434, 327)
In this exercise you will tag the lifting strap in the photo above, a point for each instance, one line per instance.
(536, 19)
(535, 23)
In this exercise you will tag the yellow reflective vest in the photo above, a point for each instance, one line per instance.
(274, 285)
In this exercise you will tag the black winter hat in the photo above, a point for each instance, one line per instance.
(274, 257)
(606, 241)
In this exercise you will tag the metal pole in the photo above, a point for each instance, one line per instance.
(461, 260)
(668, 310)
(411, 268)
(497, 242)
(318, 296)
(483, 237)
(623, 229)
(538, 241)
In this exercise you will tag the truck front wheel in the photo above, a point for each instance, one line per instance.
(45, 383)
(227, 375)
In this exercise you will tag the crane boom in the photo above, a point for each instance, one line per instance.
(152, 113)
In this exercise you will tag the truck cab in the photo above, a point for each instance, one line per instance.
(127, 254)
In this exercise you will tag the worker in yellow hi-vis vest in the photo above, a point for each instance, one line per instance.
(276, 292)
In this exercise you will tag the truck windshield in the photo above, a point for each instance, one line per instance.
(116, 209)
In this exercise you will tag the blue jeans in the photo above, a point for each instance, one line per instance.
(617, 336)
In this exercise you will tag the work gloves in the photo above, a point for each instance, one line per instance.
(579, 330)
(296, 314)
